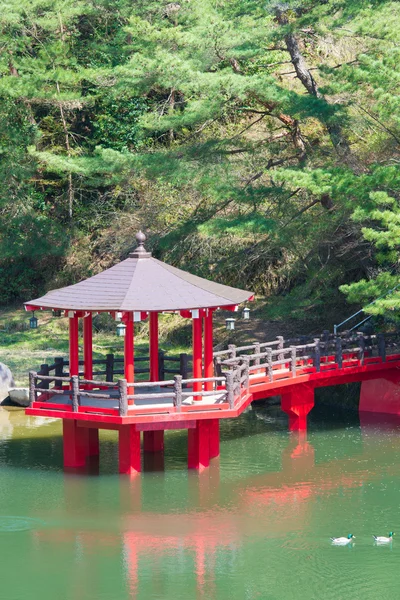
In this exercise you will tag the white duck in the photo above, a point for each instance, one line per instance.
(343, 541)
(382, 539)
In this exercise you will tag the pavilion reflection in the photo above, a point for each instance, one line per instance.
(206, 529)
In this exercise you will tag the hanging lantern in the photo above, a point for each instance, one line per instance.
(246, 313)
(56, 312)
(121, 328)
(230, 324)
(33, 322)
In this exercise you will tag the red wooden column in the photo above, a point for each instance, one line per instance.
(208, 349)
(214, 437)
(74, 443)
(75, 439)
(92, 435)
(128, 353)
(88, 346)
(153, 441)
(129, 450)
(199, 445)
(297, 403)
(209, 372)
(73, 345)
(197, 353)
(154, 346)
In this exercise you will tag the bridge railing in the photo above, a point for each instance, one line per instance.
(283, 358)
(237, 369)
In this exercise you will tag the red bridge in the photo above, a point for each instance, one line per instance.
(244, 374)
(222, 384)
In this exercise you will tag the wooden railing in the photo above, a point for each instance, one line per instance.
(237, 369)
(294, 355)
(113, 365)
(177, 390)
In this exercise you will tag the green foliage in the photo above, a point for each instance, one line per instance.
(190, 120)
(383, 216)
(115, 122)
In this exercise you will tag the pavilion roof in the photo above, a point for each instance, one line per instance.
(141, 283)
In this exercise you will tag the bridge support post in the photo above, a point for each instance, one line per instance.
(153, 441)
(381, 395)
(92, 442)
(199, 445)
(297, 403)
(214, 437)
(129, 450)
(75, 444)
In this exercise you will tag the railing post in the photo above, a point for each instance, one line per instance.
(123, 397)
(229, 389)
(217, 366)
(381, 346)
(247, 372)
(58, 370)
(178, 392)
(59, 366)
(281, 341)
(257, 350)
(269, 365)
(44, 370)
(325, 339)
(338, 352)
(232, 350)
(184, 366)
(32, 385)
(317, 355)
(110, 367)
(293, 359)
(75, 392)
(361, 341)
(161, 365)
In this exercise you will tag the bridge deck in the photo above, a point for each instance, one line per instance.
(257, 382)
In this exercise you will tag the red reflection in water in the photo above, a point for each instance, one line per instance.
(204, 528)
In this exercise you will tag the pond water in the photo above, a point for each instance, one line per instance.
(255, 525)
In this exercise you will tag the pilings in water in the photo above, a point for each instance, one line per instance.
(297, 403)
(381, 395)
(203, 443)
(81, 441)
(153, 441)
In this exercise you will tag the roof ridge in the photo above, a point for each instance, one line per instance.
(131, 282)
(168, 267)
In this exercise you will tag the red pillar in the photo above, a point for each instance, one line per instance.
(75, 444)
(129, 450)
(199, 445)
(197, 354)
(88, 346)
(73, 345)
(214, 437)
(153, 441)
(297, 403)
(154, 346)
(208, 349)
(92, 442)
(128, 353)
(381, 395)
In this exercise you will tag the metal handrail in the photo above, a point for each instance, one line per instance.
(336, 327)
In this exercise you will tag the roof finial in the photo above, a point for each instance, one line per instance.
(140, 251)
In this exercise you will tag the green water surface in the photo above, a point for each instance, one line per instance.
(255, 525)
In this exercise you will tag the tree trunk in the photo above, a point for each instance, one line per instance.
(338, 138)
